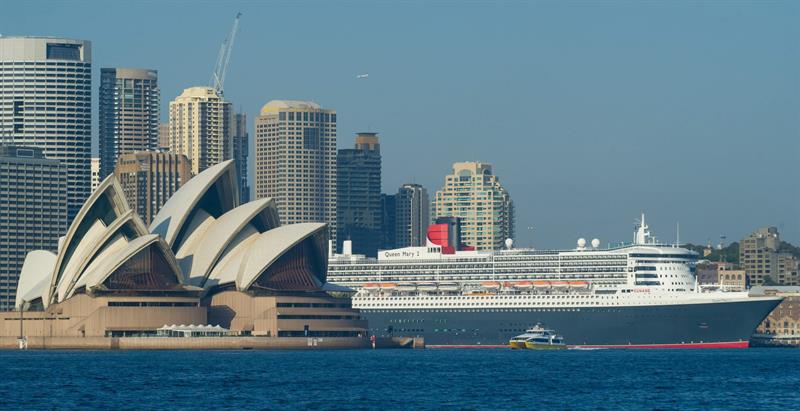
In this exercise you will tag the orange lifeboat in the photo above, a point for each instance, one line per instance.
(541, 284)
(490, 284)
(579, 284)
(559, 284)
(523, 284)
(388, 286)
(372, 286)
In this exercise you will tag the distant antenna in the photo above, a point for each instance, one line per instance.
(678, 233)
(224, 58)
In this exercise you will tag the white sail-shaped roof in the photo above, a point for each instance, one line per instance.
(102, 272)
(128, 226)
(260, 214)
(269, 246)
(215, 190)
(35, 276)
(104, 205)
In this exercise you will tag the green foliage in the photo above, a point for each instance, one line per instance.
(785, 247)
(728, 254)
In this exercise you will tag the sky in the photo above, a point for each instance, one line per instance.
(590, 112)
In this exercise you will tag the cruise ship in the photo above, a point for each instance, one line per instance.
(641, 294)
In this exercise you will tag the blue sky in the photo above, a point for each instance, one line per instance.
(590, 112)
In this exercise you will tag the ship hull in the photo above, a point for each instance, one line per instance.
(700, 325)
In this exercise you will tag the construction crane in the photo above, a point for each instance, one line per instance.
(224, 58)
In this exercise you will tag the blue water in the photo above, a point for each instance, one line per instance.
(402, 379)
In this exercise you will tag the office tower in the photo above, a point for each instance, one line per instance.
(46, 102)
(241, 149)
(149, 179)
(95, 167)
(33, 211)
(200, 127)
(764, 263)
(358, 199)
(388, 221)
(129, 113)
(411, 214)
(163, 136)
(475, 195)
(296, 161)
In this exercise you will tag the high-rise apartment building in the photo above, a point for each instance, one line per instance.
(388, 221)
(129, 114)
(95, 167)
(163, 136)
(200, 127)
(411, 216)
(358, 199)
(46, 102)
(475, 195)
(33, 211)
(241, 150)
(761, 259)
(149, 179)
(296, 161)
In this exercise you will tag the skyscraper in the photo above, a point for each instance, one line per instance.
(388, 221)
(46, 102)
(241, 149)
(358, 198)
(296, 161)
(200, 127)
(149, 179)
(411, 216)
(475, 195)
(129, 114)
(33, 204)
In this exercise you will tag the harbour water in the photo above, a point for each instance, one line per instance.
(402, 379)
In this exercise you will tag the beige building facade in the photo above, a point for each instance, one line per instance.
(150, 178)
(295, 161)
(760, 258)
(474, 194)
(200, 127)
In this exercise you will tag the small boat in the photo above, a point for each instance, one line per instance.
(427, 286)
(559, 284)
(387, 286)
(538, 338)
(579, 284)
(541, 284)
(406, 287)
(490, 285)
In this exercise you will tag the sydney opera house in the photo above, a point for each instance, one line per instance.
(204, 260)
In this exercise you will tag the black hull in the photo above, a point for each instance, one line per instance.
(685, 324)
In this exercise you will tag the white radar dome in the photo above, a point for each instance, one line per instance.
(509, 243)
(581, 242)
(595, 243)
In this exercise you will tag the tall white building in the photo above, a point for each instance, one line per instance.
(46, 102)
(201, 127)
(475, 195)
(296, 161)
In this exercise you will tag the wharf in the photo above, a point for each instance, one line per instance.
(179, 343)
